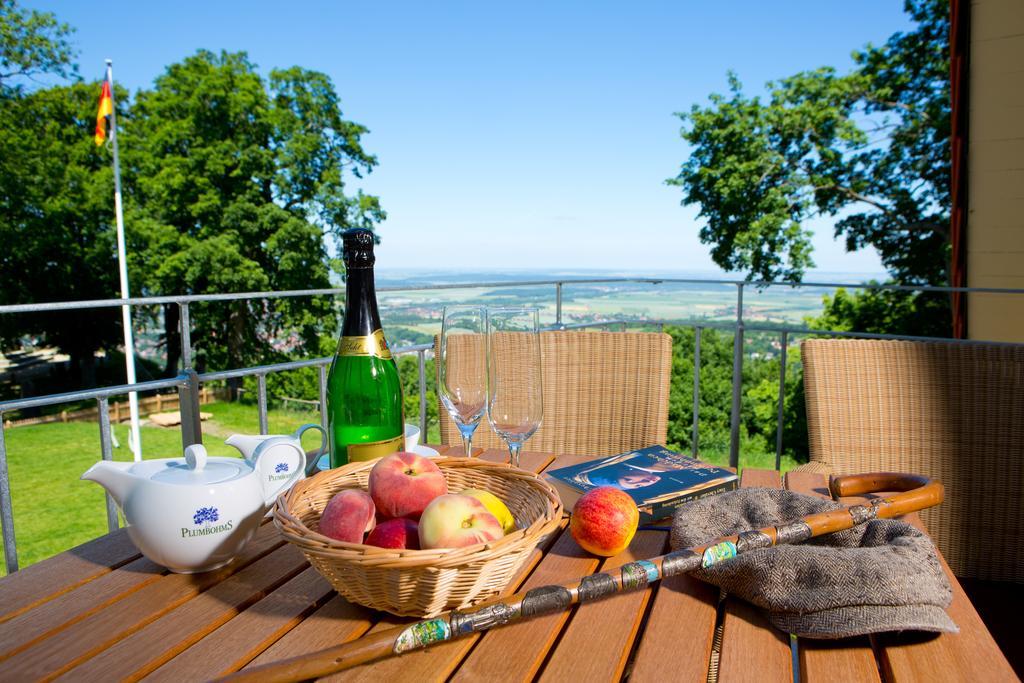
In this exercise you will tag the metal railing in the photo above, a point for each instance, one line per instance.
(188, 382)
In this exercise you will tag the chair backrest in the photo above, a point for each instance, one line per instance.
(951, 412)
(604, 393)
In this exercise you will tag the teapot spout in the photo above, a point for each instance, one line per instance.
(246, 445)
(115, 477)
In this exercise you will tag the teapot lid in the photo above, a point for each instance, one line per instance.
(197, 468)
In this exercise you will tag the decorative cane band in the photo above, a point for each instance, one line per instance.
(638, 574)
(797, 532)
(717, 553)
(596, 586)
(680, 562)
(860, 514)
(481, 620)
(422, 634)
(752, 540)
(546, 599)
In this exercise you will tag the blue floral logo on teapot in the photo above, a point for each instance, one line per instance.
(281, 467)
(206, 515)
(207, 518)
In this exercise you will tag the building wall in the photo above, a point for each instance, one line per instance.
(995, 169)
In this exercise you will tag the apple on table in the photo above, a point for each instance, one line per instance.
(604, 521)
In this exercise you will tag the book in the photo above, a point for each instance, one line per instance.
(657, 479)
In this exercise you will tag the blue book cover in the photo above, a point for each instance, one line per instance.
(658, 480)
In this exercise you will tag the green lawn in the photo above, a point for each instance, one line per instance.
(54, 510)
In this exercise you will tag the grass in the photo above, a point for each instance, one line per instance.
(55, 511)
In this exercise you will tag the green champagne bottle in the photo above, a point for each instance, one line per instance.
(364, 395)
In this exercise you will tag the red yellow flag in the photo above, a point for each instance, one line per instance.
(106, 109)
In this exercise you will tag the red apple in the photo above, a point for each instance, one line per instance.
(604, 521)
(348, 515)
(400, 533)
(403, 484)
(456, 521)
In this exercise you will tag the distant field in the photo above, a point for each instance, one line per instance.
(421, 310)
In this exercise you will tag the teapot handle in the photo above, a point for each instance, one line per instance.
(271, 491)
(312, 460)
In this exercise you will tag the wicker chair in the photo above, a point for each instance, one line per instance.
(604, 393)
(947, 411)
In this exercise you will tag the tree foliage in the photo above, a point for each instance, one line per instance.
(870, 147)
(759, 399)
(233, 181)
(56, 221)
(884, 311)
(32, 43)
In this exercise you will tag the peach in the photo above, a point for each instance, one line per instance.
(456, 521)
(403, 484)
(604, 521)
(401, 533)
(348, 515)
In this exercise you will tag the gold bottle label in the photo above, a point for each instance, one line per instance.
(375, 449)
(370, 345)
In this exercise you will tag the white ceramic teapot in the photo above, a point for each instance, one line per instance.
(196, 513)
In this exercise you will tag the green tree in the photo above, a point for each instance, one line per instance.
(884, 311)
(56, 222)
(408, 369)
(870, 147)
(761, 404)
(759, 398)
(234, 180)
(57, 237)
(32, 43)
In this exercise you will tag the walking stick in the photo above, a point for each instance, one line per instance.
(918, 493)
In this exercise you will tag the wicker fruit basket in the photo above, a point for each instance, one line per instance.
(421, 583)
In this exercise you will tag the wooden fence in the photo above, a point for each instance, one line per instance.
(157, 403)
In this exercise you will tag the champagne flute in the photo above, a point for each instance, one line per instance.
(462, 368)
(515, 404)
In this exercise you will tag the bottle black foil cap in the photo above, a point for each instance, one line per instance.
(358, 246)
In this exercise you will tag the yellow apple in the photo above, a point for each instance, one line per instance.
(495, 507)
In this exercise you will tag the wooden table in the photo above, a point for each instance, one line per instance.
(103, 612)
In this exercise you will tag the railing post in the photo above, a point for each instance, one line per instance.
(108, 454)
(423, 395)
(188, 407)
(6, 511)
(261, 402)
(737, 381)
(696, 391)
(322, 372)
(186, 335)
(782, 401)
(188, 395)
(558, 303)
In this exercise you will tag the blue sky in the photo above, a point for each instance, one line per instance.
(516, 135)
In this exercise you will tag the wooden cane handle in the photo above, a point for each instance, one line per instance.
(875, 482)
(916, 492)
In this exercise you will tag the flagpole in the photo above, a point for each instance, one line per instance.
(135, 437)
